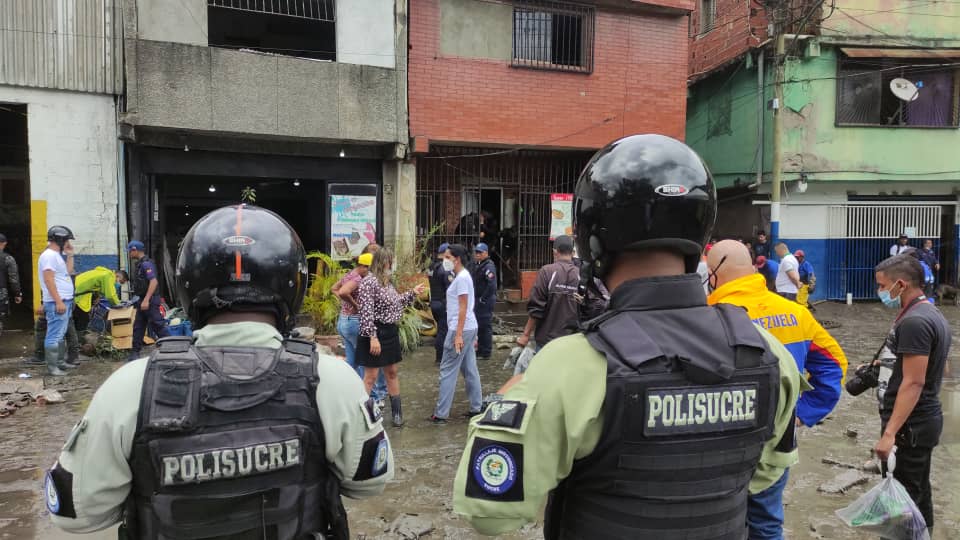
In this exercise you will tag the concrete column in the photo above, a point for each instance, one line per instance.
(399, 205)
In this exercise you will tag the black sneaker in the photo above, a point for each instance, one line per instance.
(483, 358)
(471, 414)
(434, 419)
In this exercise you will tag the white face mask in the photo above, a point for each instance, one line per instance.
(448, 265)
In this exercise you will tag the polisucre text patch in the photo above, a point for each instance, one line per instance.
(229, 462)
(699, 409)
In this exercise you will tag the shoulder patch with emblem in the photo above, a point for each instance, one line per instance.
(371, 412)
(373, 458)
(58, 492)
(490, 274)
(496, 471)
(504, 413)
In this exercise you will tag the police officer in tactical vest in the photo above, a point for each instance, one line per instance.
(237, 432)
(657, 414)
(146, 287)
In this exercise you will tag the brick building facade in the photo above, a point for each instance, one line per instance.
(508, 100)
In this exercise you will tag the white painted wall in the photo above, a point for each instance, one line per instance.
(365, 32)
(72, 140)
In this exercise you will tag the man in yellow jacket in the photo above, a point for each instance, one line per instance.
(101, 281)
(736, 281)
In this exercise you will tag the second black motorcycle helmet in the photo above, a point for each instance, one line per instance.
(643, 192)
(241, 258)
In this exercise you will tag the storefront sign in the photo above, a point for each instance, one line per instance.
(353, 224)
(561, 215)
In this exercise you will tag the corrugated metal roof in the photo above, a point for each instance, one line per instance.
(62, 44)
(858, 52)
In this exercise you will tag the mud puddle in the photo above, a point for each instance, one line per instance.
(427, 455)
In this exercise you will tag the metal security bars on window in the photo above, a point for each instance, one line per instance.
(315, 10)
(553, 35)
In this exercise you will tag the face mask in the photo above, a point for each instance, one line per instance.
(887, 300)
(711, 281)
(448, 265)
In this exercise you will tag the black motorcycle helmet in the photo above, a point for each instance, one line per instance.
(241, 258)
(60, 235)
(642, 192)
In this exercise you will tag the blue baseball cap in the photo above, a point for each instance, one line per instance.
(481, 248)
(136, 245)
(443, 248)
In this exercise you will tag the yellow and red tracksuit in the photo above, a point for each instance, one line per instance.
(814, 349)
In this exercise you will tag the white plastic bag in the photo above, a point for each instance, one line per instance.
(887, 510)
(523, 362)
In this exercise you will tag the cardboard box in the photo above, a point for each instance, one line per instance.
(123, 343)
(121, 322)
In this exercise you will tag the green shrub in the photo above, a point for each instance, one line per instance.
(320, 302)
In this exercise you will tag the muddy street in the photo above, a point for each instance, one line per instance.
(427, 455)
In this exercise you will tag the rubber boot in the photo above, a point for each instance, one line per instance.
(397, 410)
(52, 356)
(62, 355)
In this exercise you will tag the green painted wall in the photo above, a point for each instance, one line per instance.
(907, 21)
(815, 145)
(722, 128)
(722, 116)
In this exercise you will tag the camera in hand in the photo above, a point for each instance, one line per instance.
(864, 378)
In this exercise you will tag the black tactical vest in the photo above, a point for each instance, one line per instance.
(229, 444)
(140, 284)
(690, 401)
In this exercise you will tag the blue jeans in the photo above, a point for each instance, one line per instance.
(56, 323)
(765, 511)
(349, 330)
(463, 362)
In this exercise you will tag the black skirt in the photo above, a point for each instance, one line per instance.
(389, 336)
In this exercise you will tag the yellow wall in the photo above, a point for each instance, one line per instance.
(38, 241)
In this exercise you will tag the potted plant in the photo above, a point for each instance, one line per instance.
(320, 303)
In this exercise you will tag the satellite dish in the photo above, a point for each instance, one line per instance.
(904, 89)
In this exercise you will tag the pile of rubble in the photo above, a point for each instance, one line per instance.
(18, 393)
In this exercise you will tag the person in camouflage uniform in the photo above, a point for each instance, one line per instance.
(9, 282)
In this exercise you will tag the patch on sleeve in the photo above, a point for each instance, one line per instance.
(504, 413)
(374, 458)
(490, 275)
(58, 492)
(496, 471)
(371, 412)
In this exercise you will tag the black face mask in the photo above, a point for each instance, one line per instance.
(711, 281)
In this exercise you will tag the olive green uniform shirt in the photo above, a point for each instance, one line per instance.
(563, 391)
(98, 449)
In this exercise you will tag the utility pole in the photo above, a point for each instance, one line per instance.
(778, 79)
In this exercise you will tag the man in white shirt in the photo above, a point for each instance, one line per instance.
(900, 246)
(56, 287)
(458, 352)
(788, 276)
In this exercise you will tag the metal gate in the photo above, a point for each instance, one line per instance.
(452, 181)
(860, 236)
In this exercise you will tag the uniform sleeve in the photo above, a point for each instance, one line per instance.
(356, 443)
(825, 367)
(86, 488)
(523, 446)
(773, 461)
(537, 303)
(13, 277)
(149, 270)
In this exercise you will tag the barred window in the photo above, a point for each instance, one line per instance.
(708, 15)
(553, 35)
(864, 97)
(302, 28)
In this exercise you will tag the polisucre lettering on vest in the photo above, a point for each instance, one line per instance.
(778, 320)
(700, 409)
(230, 462)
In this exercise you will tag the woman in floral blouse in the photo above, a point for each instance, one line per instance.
(378, 346)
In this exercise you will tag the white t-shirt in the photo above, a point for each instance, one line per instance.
(51, 260)
(462, 284)
(897, 249)
(787, 263)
